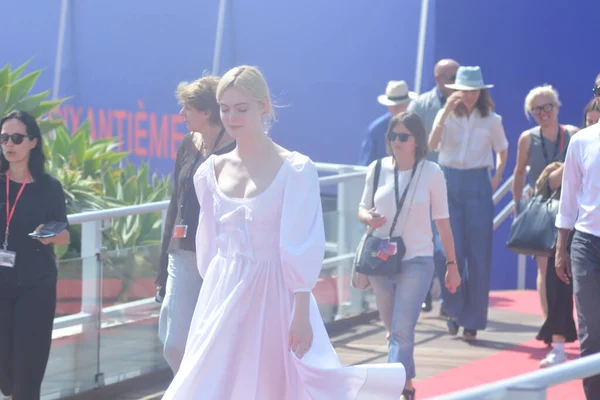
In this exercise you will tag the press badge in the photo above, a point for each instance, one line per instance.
(180, 231)
(7, 258)
(386, 249)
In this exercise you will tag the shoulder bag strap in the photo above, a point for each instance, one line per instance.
(376, 180)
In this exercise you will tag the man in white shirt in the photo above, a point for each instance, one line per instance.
(580, 210)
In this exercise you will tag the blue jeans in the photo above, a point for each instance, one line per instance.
(399, 300)
(472, 219)
(177, 310)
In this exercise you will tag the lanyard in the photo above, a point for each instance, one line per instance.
(559, 142)
(400, 201)
(10, 212)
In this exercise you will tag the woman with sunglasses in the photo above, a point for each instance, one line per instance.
(467, 132)
(536, 149)
(178, 279)
(28, 273)
(407, 175)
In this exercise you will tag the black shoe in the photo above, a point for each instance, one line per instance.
(469, 335)
(408, 394)
(452, 326)
(426, 306)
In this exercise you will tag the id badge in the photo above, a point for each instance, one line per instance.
(180, 231)
(7, 258)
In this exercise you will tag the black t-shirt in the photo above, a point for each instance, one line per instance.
(184, 207)
(42, 201)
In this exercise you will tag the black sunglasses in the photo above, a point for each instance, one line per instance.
(17, 138)
(403, 137)
(596, 90)
(546, 108)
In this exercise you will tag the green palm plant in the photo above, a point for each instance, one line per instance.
(134, 239)
(14, 95)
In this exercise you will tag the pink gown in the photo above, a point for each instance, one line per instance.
(254, 254)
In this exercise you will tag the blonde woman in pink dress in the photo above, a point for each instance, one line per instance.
(257, 333)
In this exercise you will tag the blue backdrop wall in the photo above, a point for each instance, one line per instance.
(326, 62)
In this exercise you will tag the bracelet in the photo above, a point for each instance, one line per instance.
(451, 262)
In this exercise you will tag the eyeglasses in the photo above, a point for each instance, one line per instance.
(546, 108)
(17, 138)
(403, 137)
(596, 90)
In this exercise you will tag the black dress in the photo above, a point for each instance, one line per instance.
(560, 306)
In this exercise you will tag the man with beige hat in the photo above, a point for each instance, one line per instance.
(397, 97)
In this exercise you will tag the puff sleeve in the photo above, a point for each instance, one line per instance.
(206, 233)
(302, 233)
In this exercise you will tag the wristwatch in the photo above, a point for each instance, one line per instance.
(451, 262)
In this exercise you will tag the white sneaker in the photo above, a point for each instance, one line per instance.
(553, 358)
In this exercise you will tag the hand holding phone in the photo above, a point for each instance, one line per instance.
(377, 220)
(48, 230)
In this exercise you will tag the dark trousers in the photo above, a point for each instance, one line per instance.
(26, 319)
(585, 264)
(472, 221)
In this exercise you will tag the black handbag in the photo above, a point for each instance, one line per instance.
(378, 256)
(533, 231)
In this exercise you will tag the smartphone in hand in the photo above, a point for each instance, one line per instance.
(49, 230)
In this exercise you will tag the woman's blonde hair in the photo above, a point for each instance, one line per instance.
(201, 94)
(250, 80)
(544, 90)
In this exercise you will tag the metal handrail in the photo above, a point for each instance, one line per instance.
(342, 173)
(118, 212)
(536, 382)
(507, 211)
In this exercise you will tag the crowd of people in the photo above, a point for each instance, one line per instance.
(434, 162)
(239, 261)
(467, 142)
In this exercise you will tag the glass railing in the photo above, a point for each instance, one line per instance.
(106, 325)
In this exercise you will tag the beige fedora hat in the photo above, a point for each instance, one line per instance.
(396, 92)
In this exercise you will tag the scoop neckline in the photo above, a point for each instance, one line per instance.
(246, 199)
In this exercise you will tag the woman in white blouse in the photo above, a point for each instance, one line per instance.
(399, 298)
(466, 132)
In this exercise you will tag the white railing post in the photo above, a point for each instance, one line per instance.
(91, 242)
(91, 300)
(350, 300)
(521, 271)
(164, 218)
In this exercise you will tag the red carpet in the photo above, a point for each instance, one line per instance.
(515, 361)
